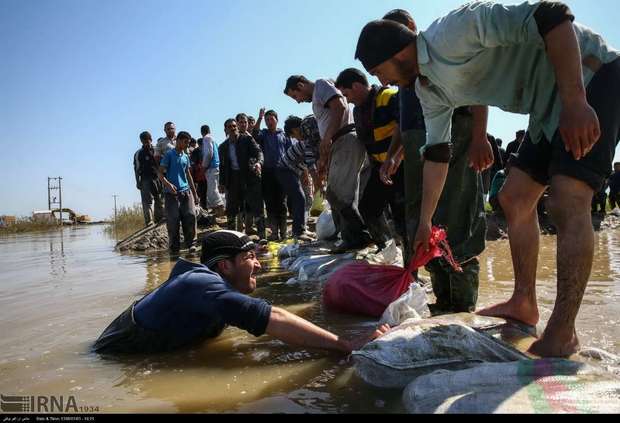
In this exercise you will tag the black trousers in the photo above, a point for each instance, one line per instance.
(375, 201)
(201, 188)
(273, 195)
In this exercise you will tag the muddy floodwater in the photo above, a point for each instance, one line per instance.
(59, 290)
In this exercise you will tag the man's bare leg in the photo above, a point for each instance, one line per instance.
(519, 199)
(570, 208)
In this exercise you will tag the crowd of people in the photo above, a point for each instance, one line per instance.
(402, 160)
(256, 177)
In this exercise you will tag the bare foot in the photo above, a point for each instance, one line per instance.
(553, 344)
(518, 309)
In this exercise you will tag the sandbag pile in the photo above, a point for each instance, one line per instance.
(421, 346)
(313, 262)
(452, 364)
(523, 387)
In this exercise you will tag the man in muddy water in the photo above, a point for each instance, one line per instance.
(199, 301)
(479, 54)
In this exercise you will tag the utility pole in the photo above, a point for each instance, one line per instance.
(115, 196)
(54, 184)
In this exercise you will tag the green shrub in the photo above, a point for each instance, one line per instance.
(27, 224)
(128, 219)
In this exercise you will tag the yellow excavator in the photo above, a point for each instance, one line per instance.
(73, 216)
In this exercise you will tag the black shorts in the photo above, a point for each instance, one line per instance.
(544, 160)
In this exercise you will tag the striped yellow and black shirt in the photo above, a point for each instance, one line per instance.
(376, 121)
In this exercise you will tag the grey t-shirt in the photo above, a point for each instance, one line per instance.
(324, 91)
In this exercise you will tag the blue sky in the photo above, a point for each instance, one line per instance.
(80, 79)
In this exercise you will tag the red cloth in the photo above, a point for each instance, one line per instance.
(368, 289)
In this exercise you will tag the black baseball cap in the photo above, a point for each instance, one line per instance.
(224, 245)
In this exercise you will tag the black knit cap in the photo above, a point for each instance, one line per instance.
(381, 40)
(224, 245)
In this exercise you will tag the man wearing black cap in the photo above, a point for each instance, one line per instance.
(199, 301)
(461, 206)
(529, 59)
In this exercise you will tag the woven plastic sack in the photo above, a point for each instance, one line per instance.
(422, 346)
(524, 387)
(366, 289)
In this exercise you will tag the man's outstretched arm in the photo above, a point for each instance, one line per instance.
(294, 330)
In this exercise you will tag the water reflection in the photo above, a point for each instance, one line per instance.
(57, 254)
(158, 267)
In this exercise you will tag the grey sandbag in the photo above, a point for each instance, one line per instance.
(524, 387)
(419, 347)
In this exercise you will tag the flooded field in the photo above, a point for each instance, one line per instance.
(59, 290)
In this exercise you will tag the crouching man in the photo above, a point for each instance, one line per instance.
(200, 300)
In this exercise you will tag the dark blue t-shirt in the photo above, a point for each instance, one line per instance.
(274, 145)
(411, 116)
(196, 304)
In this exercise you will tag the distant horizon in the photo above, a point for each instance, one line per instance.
(82, 79)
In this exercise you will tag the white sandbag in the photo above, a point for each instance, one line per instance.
(289, 251)
(608, 361)
(523, 387)
(599, 355)
(391, 255)
(308, 270)
(411, 305)
(419, 347)
(325, 227)
(307, 261)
